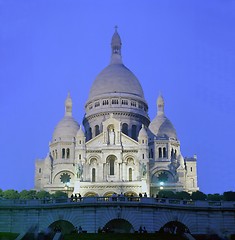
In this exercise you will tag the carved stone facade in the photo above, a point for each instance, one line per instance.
(120, 150)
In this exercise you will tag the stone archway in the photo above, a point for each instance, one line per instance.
(91, 194)
(175, 227)
(119, 226)
(63, 226)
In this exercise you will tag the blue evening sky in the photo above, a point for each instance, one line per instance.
(183, 49)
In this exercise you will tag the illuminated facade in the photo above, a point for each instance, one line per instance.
(120, 150)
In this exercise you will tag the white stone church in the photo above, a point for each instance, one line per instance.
(119, 150)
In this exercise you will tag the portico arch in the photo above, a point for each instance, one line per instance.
(130, 194)
(175, 227)
(63, 226)
(91, 194)
(119, 226)
(109, 194)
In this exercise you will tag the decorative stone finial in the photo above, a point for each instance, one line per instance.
(160, 105)
(68, 105)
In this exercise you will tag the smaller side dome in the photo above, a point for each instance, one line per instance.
(67, 127)
(143, 133)
(80, 133)
(161, 125)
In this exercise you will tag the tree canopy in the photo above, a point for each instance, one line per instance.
(198, 195)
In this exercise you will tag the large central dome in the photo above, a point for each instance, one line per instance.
(116, 90)
(116, 78)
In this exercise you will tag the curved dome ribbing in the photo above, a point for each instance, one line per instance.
(116, 78)
(162, 127)
(67, 127)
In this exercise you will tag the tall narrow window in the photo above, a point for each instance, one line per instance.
(56, 155)
(67, 153)
(172, 153)
(133, 132)
(164, 152)
(175, 154)
(160, 152)
(151, 153)
(93, 175)
(63, 153)
(143, 156)
(90, 133)
(125, 128)
(130, 174)
(97, 130)
(111, 166)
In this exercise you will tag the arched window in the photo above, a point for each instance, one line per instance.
(97, 130)
(151, 153)
(160, 152)
(93, 175)
(172, 153)
(175, 154)
(67, 153)
(130, 174)
(133, 132)
(90, 133)
(40, 170)
(164, 152)
(63, 152)
(111, 166)
(125, 128)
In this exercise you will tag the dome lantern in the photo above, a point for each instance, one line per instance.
(160, 105)
(116, 45)
(68, 105)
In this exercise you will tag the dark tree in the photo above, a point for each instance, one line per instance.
(166, 194)
(25, 194)
(198, 196)
(43, 194)
(10, 194)
(59, 194)
(214, 197)
(182, 195)
(229, 196)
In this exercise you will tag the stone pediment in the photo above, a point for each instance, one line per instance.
(96, 141)
(127, 141)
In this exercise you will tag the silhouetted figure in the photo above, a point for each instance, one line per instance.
(80, 229)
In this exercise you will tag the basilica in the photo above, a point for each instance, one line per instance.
(118, 149)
